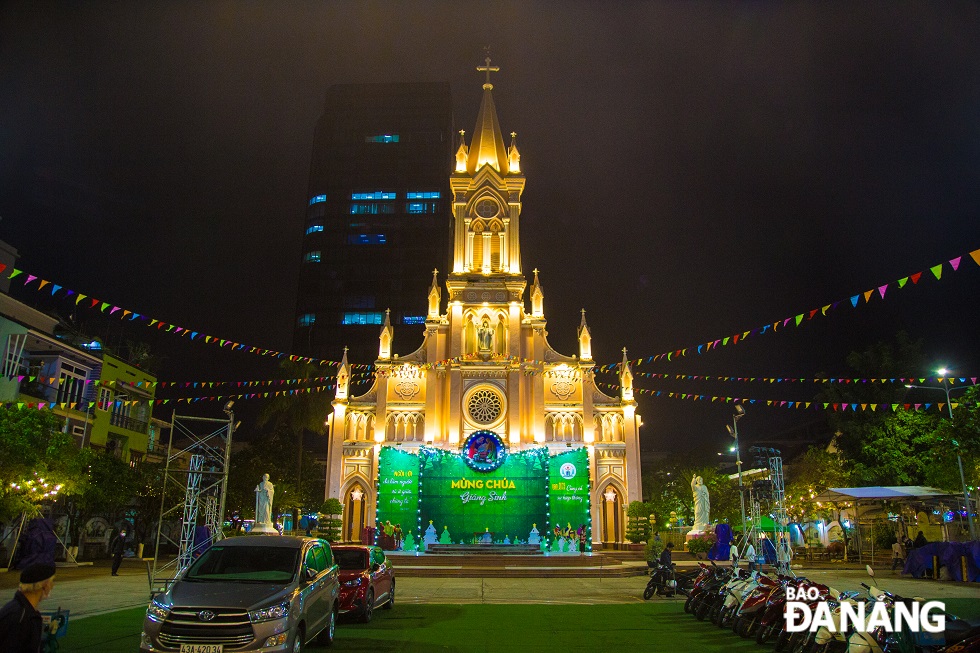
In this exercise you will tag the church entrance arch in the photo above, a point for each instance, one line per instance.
(355, 511)
(612, 514)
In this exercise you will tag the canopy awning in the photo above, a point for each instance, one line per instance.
(883, 493)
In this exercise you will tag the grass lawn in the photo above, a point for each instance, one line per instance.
(653, 626)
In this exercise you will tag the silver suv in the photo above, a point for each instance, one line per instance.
(248, 593)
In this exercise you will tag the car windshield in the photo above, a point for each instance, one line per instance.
(350, 558)
(264, 564)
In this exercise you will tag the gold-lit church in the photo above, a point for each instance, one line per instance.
(485, 362)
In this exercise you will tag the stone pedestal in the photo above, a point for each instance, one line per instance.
(263, 528)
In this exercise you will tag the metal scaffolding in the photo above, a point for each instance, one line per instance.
(780, 517)
(195, 483)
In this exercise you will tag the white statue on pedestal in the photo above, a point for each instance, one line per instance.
(264, 492)
(702, 505)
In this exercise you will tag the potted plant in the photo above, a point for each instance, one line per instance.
(701, 544)
(652, 550)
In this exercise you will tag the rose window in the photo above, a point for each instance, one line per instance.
(484, 406)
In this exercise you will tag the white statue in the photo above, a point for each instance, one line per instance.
(264, 492)
(484, 336)
(702, 505)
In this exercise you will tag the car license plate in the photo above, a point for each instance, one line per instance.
(200, 648)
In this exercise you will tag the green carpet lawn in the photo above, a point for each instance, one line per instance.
(654, 626)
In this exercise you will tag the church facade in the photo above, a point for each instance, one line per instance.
(485, 376)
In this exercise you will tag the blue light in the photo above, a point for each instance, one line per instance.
(374, 195)
(312, 257)
(382, 138)
(317, 199)
(429, 195)
(413, 319)
(421, 207)
(367, 239)
(306, 319)
(363, 317)
(314, 228)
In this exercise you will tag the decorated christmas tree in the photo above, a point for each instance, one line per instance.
(409, 543)
(535, 536)
(445, 538)
(430, 535)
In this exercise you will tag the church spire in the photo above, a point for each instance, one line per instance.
(435, 296)
(584, 340)
(343, 377)
(537, 297)
(625, 379)
(387, 335)
(487, 145)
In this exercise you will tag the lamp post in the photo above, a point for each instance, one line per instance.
(733, 431)
(945, 387)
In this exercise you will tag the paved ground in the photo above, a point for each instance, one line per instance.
(91, 590)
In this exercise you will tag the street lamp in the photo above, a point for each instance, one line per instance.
(733, 431)
(942, 372)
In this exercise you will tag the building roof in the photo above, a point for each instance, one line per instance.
(882, 493)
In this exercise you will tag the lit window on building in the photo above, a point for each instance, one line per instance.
(421, 207)
(366, 239)
(428, 195)
(306, 319)
(381, 138)
(312, 257)
(374, 195)
(313, 228)
(71, 384)
(363, 317)
(358, 208)
(318, 199)
(413, 319)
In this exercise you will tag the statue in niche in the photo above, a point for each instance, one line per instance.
(484, 336)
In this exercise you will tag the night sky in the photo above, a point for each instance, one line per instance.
(694, 170)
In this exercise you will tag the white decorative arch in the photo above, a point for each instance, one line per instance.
(563, 427)
(406, 426)
(359, 426)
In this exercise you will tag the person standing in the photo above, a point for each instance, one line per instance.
(750, 554)
(783, 556)
(116, 548)
(20, 620)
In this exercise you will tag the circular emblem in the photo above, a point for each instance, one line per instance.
(206, 615)
(484, 451)
(567, 471)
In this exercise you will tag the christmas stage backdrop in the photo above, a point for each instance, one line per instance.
(519, 497)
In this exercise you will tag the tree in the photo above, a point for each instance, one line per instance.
(110, 485)
(807, 476)
(332, 524)
(298, 414)
(37, 460)
(273, 454)
(960, 435)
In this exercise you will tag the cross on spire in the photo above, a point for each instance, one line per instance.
(488, 69)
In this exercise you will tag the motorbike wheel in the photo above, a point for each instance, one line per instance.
(702, 610)
(766, 632)
(753, 627)
(689, 604)
(650, 590)
(715, 614)
(782, 642)
(727, 616)
(739, 626)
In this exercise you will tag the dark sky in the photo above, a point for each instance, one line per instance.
(695, 169)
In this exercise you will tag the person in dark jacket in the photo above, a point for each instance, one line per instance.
(116, 549)
(665, 556)
(20, 620)
(920, 540)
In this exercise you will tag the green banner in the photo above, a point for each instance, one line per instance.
(398, 489)
(471, 506)
(569, 495)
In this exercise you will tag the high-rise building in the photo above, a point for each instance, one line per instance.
(378, 215)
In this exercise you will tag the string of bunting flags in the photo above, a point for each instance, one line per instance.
(89, 405)
(55, 382)
(834, 380)
(854, 301)
(89, 302)
(797, 405)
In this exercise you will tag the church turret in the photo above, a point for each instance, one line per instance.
(487, 184)
(343, 378)
(435, 296)
(625, 379)
(387, 335)
(537, 297)
(584, 340)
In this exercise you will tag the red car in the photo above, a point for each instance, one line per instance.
(367, 580)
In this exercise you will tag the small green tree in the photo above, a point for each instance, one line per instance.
(637, 514)
(701, 544)
(330, 527)
(653, 549)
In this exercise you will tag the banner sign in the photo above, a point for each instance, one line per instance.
(398, 488)
(569, 492)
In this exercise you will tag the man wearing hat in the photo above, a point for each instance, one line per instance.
(20, 621)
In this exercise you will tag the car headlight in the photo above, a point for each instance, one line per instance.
(354, 582)
(157, 611)
(270, 613)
